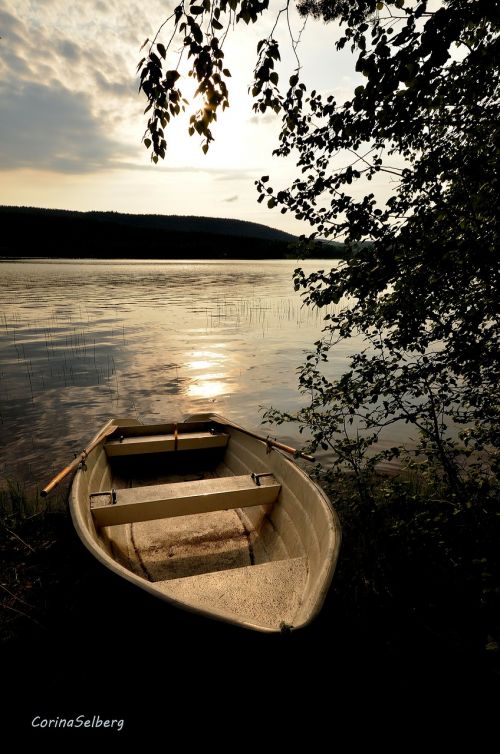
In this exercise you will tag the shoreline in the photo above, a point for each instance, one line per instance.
(166, 260)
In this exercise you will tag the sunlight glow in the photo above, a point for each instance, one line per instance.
(212, 378)
(208, 389)
(201, 364)
(207, 354)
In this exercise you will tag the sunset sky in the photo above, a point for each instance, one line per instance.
(72, 120)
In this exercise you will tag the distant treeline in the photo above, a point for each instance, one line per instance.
(34, 232)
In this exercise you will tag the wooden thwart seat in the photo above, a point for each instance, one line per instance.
(164, 443)
(182, 499)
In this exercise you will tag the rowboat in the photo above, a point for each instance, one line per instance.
(208, 517)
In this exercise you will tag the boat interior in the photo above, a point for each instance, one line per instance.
(211, 519)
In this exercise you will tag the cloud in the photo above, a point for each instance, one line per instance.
(11, 27)
(123, 88)
(231, 198)
(16, 65)
(258, 120)
(213, 173)
(68, 91)
(69, 50)
(51, 128)
(233, 175)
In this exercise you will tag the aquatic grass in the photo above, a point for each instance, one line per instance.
(32, 532)
(20, 500)
(264, 313)
(64, 354)
(13, 502)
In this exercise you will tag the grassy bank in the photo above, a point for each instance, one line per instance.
(31, 532)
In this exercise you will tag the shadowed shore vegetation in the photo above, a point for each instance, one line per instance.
(411, 610)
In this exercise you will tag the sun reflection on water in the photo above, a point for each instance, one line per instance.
(212, 379)
(200, 364)
(83, 341)
(207, 388)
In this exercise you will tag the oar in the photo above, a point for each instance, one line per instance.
(268, 441)
(100, 436)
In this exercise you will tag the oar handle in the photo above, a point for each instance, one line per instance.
(59, 477)
(289, 449)
(101, 435)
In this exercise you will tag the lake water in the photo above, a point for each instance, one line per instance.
(81, 341)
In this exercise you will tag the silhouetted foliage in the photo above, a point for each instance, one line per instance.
(421, 277)
(424, 290)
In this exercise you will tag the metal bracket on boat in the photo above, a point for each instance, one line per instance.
(83, 457)
(257, 477)
(111, 495)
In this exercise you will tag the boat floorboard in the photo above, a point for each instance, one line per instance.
(267, 594)
(184, 546)
(189, 545)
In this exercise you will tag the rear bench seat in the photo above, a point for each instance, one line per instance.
(164, 443)
(128, 506)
